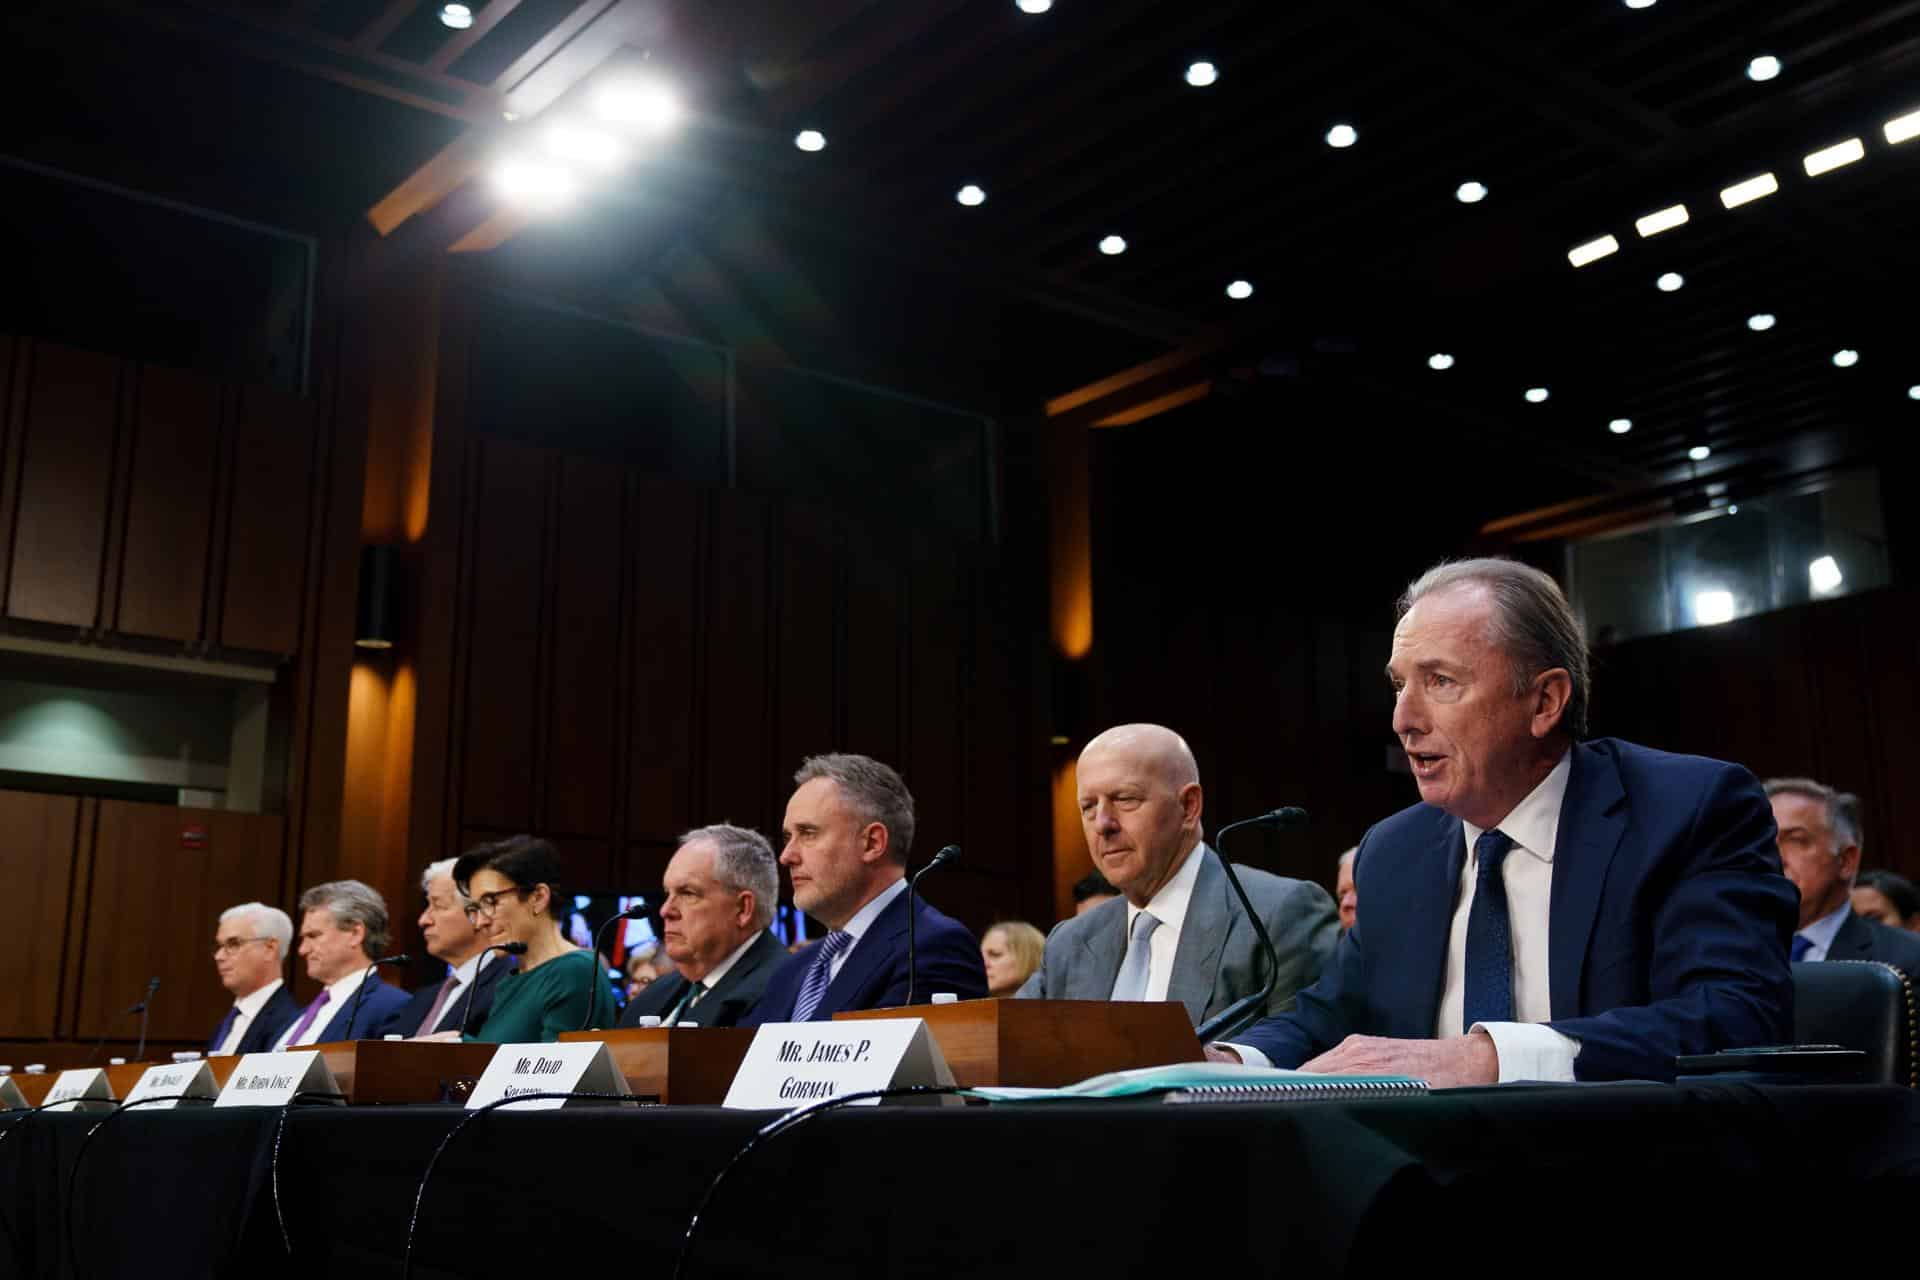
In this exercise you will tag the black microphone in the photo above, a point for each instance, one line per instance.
(146, 1007)
(637, 911)
(512, 949)
(361, 994)
(1247, 1008)
(940, 859)
(138, 1006)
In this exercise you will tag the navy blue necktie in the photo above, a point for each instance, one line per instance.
(1489, 973)
(1800, 948)
(220, 1032)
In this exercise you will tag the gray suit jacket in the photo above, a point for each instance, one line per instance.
(1218, 960)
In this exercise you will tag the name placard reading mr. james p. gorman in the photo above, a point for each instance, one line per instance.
(791, 1064)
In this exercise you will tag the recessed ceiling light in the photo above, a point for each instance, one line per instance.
(1711, 608)
(1439, 360)
(1033, 6)
(1537, 395)
(1592, 251)
(1470, 192)
(1111, 245)
(650, 105)
(1240, 289)
(1639, 4)
(1661, 220)
(1902, 128)
(810, 140)
(584, 145)
(1760, 321)
(1669, 281)
(1753, 188)
(535, 184)
(970, 196)
(1620, 426)
(1764, 67)
(1733, 508)
(1342, 136)
(1699, 453)
(1845, 358)
(457, 16)
(1913, 392)
(1827, 159)
(1823, 575)
(1202, 74)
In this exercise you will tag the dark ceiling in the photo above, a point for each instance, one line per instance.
(1579, 116)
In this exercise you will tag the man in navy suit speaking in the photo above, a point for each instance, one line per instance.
(848, 827)
(1556, 909)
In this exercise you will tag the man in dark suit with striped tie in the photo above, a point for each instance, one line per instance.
(250, 952)
(721, 887)
(462, 1000)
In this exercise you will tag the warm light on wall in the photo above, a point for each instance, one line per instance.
(1070, 861)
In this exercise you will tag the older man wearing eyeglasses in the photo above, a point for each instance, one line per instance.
(250, 951)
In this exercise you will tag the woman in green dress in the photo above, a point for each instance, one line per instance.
(512, 891)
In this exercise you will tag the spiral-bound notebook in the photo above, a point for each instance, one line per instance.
(1214, 1082)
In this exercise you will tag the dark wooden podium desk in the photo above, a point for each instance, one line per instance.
(1049, 1043)
(675, 1065)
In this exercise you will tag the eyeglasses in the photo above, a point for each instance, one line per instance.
(488, 903)
(231, 946)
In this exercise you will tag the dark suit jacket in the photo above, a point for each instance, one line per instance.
(728, 1001)
(874, 975)
(376, 1015)
(275, 1016)
(1218, 960)
(1861, 939)
(1667, 929)
(407, 1021)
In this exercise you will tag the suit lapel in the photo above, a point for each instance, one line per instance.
(1203, 935)
(1853, 941)
(1593, 817)
(1426, 931)
(868, 954)
(1105, 943)
(749, 962)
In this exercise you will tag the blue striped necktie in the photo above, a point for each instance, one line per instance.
(819, 973)
(1489, 967)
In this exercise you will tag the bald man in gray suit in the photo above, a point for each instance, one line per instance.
(1176, 933)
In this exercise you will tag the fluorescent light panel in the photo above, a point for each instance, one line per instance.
(1592, 251)
(1661, 220)
(1902, 128)
(1752, 189)
(1827, 159)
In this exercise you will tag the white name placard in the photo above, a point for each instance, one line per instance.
(271, 1079)
(167, 1082)
(578, 1066)
(84, 1087)
(10, 1096)
(791, 1064)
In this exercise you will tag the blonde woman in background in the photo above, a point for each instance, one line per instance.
(1011, 951)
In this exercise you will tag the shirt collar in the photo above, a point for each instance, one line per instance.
(721, 970)
(466, 972)
(1534, 823)
(863, 918)
(343, 990)
(1822, 932)
(254, 1001)
(1169, 906)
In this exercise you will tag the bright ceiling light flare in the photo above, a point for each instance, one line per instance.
(1620, 426)
(1764, 67)
(1240, 290)
(1537, 395)
(1592, 251)
(1670, 282)
(1440, 361)
(1661, 220)
(1699, 453)
(584, 146)
(970, 196)
(1760, 321)
(1711, 608)
(810, 140)
(647, 105)
(1639, 4)
(1112, 245)
(1470, 192)
(1202, 74)
(457, 16)
(1902, 128)
(1913, 392)
(1845, 358)
(1827, 159)
(1033, 6)
(535, 184)
(1342, 136)
(1823, 575)
(1764, 184)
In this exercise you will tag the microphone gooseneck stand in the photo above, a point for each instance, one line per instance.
(940, 859)
(1244, 1010)
(361, 994)
(634, 912)
(512, 949)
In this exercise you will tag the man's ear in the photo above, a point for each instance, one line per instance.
(1552, 691)
(875, 842)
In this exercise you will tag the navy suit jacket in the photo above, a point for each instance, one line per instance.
(728, 1001)
(1667, 927)
(1863, 939)
(375, 1016)
(874, 975)
(457, 1012)
(275, 1016)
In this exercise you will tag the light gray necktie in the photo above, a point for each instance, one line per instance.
(1132, 982)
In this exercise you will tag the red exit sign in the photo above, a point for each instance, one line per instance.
(193, 837)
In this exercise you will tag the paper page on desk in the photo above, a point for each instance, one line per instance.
(1187, 1076)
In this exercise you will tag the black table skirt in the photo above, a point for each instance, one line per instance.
(1647, 1177)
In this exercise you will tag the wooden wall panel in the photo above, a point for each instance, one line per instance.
(584, 625)
(807, 684)
(271, 505)
(37, 865)
(873, 609)
(993, 768)
(170, 501)
(937, 647)
(503, 690)
(67, 439)
(735, 744)
(152, 907)
(663, 564)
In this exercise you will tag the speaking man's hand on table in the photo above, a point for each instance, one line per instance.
(1443, 1064)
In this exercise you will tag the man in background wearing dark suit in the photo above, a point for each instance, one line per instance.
(848, 828)
(456, 939)
(721, 887)
(250, 949)
(1820, 849)
(1556, 909)
(343, 930)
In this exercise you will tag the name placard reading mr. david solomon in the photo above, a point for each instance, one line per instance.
(793, 1063)
(528, 1070)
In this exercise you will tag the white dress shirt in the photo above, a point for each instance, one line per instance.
(339, 996)
(862, 921)
(246, 1009)
(712, 980)
(1169, 907)
(1822, 932)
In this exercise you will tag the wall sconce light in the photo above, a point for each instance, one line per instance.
(376, 620)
